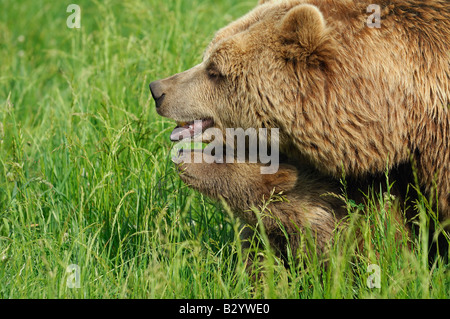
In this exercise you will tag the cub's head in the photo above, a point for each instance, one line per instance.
(255, 73)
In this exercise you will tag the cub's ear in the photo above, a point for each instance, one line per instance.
(284, 179)
(260, 2)
(304, 34)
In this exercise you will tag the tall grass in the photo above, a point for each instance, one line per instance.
(86, 179)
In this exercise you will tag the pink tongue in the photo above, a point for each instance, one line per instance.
(187, 131)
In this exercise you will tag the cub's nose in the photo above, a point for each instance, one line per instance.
(157, 92)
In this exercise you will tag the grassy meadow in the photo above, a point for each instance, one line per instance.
(86, 177)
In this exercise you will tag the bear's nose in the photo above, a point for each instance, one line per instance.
(157, 92)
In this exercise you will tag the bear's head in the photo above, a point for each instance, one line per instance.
(255, 73)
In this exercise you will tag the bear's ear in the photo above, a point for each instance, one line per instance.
(303, 32)
(284, 179)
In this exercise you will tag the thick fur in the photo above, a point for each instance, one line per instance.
(344, 96)
(310, 202)
(294, 199)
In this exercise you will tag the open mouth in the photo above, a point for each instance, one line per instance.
(190, 129)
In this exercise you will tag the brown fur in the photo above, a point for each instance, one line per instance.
(310, 202)
(344, 96)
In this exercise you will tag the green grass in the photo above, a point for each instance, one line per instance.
(86, 178)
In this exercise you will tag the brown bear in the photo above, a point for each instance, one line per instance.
(345, 96)
(291, 200)
(309, 200)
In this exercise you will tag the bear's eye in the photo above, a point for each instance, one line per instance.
(213, 73)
